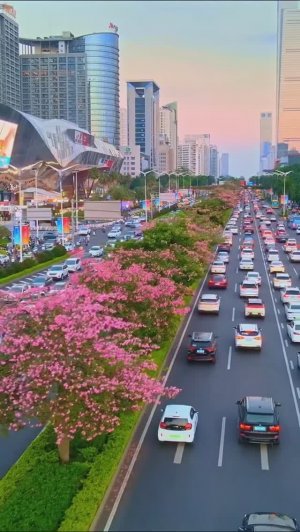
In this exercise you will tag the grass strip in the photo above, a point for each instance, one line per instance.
(33, 269)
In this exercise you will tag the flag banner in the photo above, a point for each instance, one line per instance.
(25, 235)
(67, 225)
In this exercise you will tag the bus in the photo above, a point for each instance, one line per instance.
(275, 203)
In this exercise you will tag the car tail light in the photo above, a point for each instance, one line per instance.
(274, 428)
(239, 337)
(245, 427)
(210, 349)
(188, 426)
(162, 425)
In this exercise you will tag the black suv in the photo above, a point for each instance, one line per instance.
(258, 420)
(203, 347)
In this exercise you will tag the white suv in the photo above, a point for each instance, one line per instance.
(58, 271)
(73, 264)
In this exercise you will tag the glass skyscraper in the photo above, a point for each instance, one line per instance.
(74, 78)
(9, 57)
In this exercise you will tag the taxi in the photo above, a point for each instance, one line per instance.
(276, 267)
(282, 280)
(255, 307)
(209, 304)
(248, 336)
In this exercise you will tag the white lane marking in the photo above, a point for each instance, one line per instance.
(298, 392)
(221, 448)
(278, 310)
(282, 344)
(282, 326)
(275, 299)
(179, 453)
(144, 433)
(229, 357)
(264, 459)
(286, 342)
(292, 364)
(233, 313)
(295, 270)
(237, 270)
(235, 287)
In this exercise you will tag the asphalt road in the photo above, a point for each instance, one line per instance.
(214, 482)
(13, 444)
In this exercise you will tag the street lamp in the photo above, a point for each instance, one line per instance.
(145, 176)
(283, 174)
(60, 173)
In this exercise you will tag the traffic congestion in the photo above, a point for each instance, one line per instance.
(211, 460)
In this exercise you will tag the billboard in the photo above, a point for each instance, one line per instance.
(169, 197)
(25, 235)
(284, 200)
(102, 210)
(39, 213)
(8, 132)
(67, 225)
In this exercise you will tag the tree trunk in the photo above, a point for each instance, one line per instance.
(64, 450)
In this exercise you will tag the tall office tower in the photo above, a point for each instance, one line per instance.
(169, 130)
(123, 127)
(288, 75)
(265, 141)
(186, 157)
(214, 162)
(9, 57)
(224, 165)
(143, 118)
(202, 141)
(75, 78)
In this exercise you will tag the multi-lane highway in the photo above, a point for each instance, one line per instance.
(211, 484)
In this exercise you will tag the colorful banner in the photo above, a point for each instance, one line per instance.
(143, 206)
(25, 235)
(156, 202)
(126, 205)
(67, 225)
(7, 138)
(284, 200)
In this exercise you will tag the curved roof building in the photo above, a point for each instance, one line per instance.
(26, 139)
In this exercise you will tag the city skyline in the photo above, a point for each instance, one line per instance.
(222, 74)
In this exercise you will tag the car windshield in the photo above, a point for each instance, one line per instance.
(248, 332)
(297, 327)
(218, 277)
(70, 261)
(56, 268)
(16, 289)
(39, 280)
(203, 343)
(260, 418)
(294, 307)
(293, 292)
(175, 423)
(248, 285)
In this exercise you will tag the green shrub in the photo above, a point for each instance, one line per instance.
(28, 263)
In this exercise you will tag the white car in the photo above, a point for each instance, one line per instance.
(223, 256)
(114, 233)
(209, 304)
(247, 253)
(73, 264)
(290, 245)
(178, 424)
(292, 310)
(248, 336)
(96, 251)
(293, 330)
(298, 230)
(294, 256)
(253, 276)
(5, 259)
(246, 264)
(58, 271)
(218, 266)
(84, 231)
(282, 280)
(235, 230)
(273, 255)
(289, 294)
(248, 288)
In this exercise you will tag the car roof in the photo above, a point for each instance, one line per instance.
(177, 410)
(218, 262)
(254, 301)
(248, 327)
(209, 297)
(202, 336)
(258, 405)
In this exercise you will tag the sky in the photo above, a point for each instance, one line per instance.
(217, 59)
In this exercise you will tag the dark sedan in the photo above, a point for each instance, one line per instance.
(41, 281)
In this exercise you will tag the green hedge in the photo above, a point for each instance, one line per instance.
(33, 269)
(44, 256)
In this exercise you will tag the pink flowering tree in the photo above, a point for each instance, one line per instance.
(144, 297)
(70, 361)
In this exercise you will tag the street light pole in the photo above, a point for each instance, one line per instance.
(76, 201)
(145, 176)
(283, 174)
(36, 202)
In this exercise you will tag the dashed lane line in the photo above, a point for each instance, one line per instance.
(221, 448)
(233, 313)
(286, 343)
(179, 453)
(264, 458)
(292, 364)
(229, 357)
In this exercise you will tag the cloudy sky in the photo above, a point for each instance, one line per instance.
(217, 59)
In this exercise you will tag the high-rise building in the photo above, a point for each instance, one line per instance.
(75, 78)
(123, 127)
(265, 141)
(214, 162)
(9, 57)
(187, 157)
(288, 75)
(132, 160)
(201, 151)
(169, 131)
(143, 118)
(224, 165)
